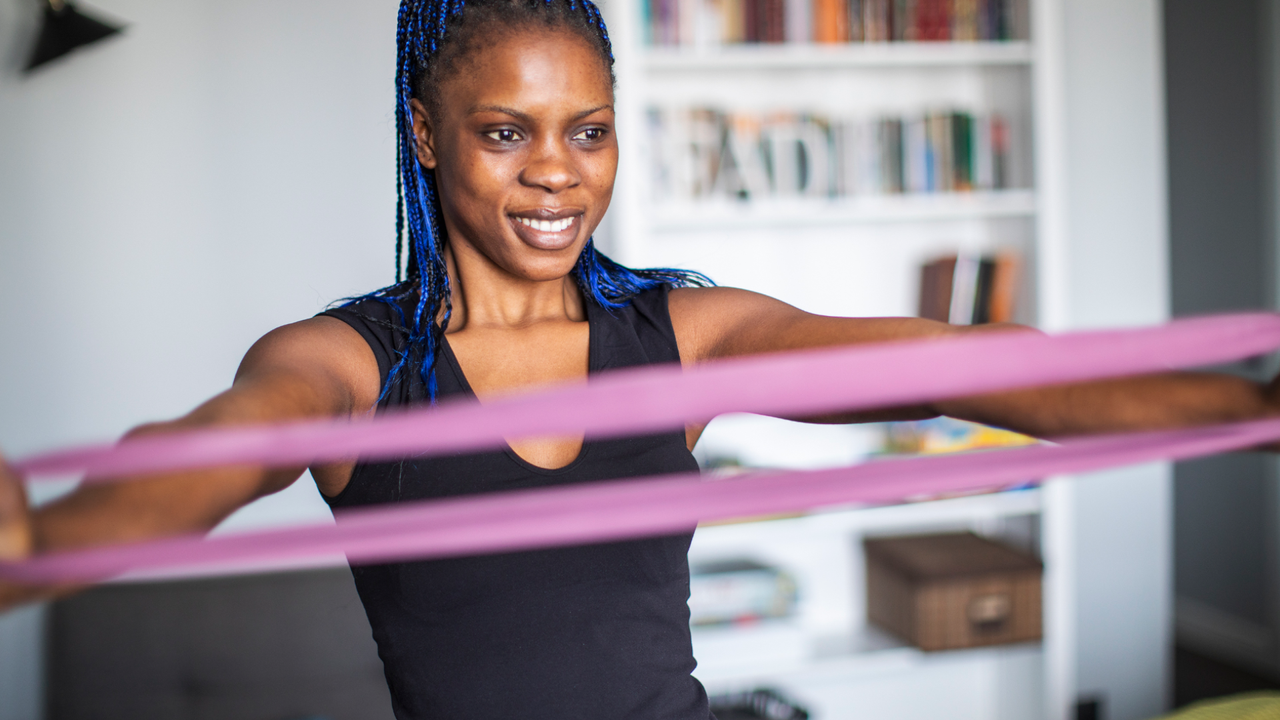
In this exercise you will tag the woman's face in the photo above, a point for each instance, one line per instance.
(524, 151)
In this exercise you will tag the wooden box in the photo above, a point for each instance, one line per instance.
(941, 592)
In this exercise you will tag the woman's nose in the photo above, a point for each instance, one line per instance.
(551, 168)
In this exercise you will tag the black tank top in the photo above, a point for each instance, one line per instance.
(577, 633)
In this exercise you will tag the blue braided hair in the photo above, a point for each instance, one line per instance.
(432, 37)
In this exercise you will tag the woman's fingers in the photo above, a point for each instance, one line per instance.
(15, 516)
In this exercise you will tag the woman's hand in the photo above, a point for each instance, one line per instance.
(15, 516)
(15, 533)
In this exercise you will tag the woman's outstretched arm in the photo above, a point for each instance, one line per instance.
(723, 322)
(316, 368)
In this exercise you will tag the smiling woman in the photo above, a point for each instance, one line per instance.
(505, 117)
(507, 155)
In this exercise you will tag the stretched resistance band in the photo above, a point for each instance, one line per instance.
(658, 398)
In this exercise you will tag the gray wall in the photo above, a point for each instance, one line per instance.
(1220, 261)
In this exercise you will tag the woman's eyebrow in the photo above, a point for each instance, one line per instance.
(525, 117)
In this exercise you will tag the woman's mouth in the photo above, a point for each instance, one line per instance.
(553, 226)
(547, 233)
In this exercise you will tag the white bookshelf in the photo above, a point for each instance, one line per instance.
(860, 256)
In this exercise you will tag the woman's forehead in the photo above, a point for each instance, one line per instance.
(531, 65)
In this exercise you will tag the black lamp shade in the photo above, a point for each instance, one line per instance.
(64, 29)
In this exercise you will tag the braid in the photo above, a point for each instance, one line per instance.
(432, 38)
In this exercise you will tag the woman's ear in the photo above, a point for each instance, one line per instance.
(424, 135)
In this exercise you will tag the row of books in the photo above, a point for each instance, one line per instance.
(705, 153)
(703, 23)
(969, 289)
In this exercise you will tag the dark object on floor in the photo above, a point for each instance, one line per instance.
(1089, 709)
(762, 704)
(1196, 677)
(64, 29)
(258, 647)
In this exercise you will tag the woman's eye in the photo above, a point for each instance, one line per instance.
(590, 134)
(505, 135)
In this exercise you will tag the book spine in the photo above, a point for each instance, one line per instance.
(915, 157)
(799, 22)
(999, 154)
(940, 165)
(897, 155)
(936, 279)
(964, 290)
(982, 165)
(816, 157)
(982, 294)
(962, 131)
(827, 23)
(687, 22)
(884, 20)
(857, 20)
(775, 25)
(965, 20)
(1004, 288)
(868, 153)
(731, 15)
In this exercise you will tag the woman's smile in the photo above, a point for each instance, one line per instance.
(547, 229)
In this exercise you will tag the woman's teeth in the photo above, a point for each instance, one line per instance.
(547, 225)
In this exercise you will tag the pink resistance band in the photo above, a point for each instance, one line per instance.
(649, 399)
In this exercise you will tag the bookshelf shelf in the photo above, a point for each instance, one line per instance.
(867, 653)
(810, 57)
(983, 507)
(724, 214)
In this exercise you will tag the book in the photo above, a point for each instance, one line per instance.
(1004, 288)
(799, 21)
(936, 280)
(830, 21)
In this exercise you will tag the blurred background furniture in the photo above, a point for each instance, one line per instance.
(259, 647)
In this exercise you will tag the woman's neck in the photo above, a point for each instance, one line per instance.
(486, 296)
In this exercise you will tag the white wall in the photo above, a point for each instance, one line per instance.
(166, 197)
(1117, 274)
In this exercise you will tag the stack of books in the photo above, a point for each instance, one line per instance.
(716, 22)
(706, 153)
(967, 289)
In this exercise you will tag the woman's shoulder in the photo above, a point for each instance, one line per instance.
(704, 318)
(716, 305)
(321, 350)
(381, 321)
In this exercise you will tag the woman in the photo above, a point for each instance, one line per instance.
(507, 163)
